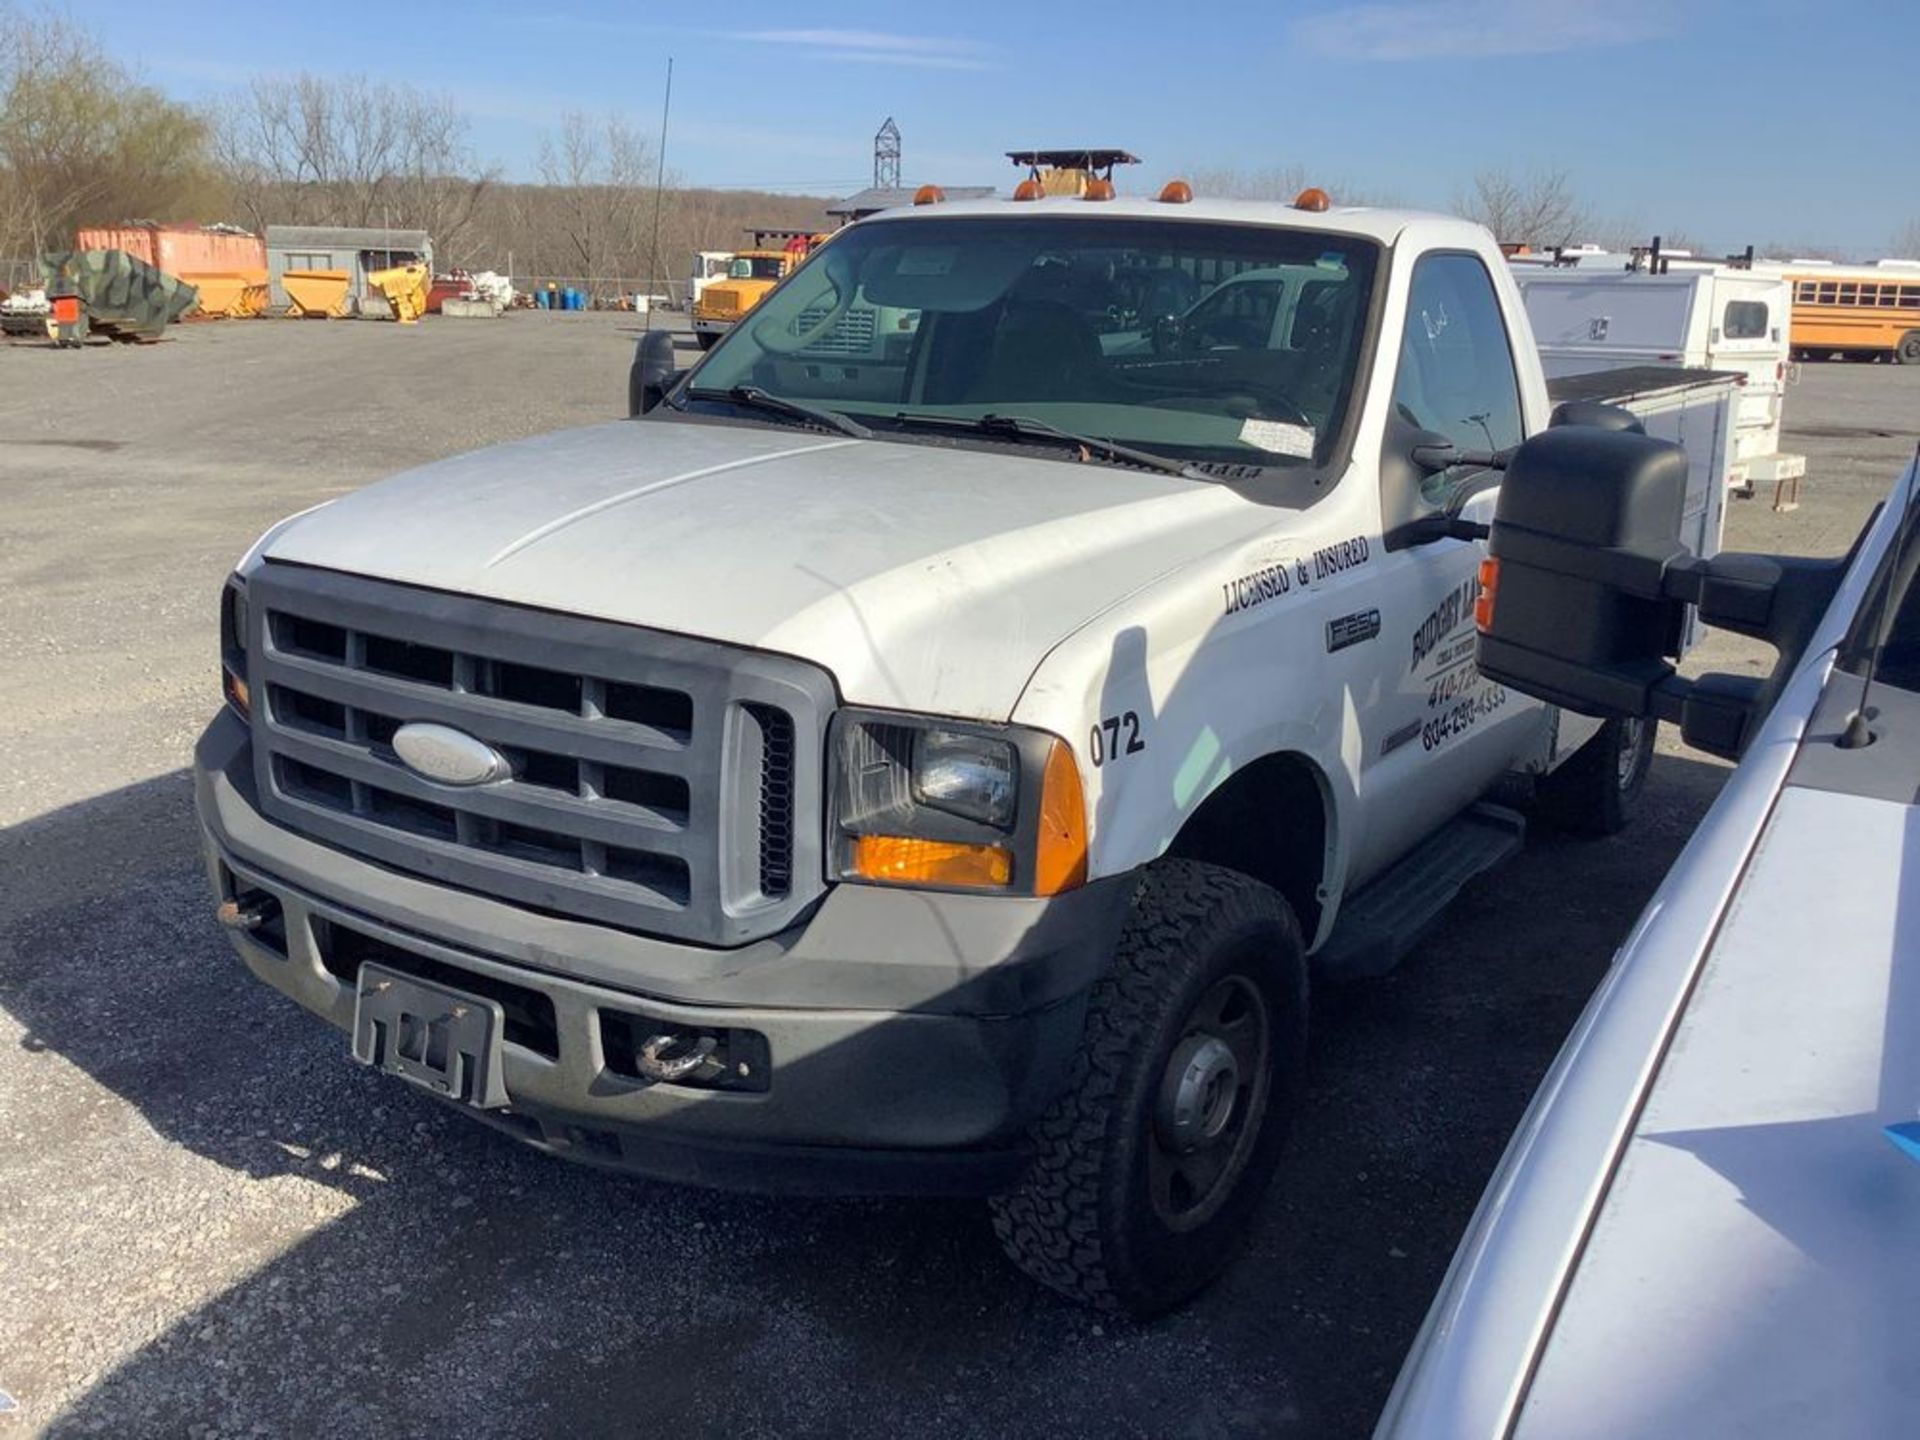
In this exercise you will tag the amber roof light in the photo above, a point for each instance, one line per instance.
(1313, 198)
(929, 195)
(1176, 192)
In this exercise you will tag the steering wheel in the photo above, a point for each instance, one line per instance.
(778, 340)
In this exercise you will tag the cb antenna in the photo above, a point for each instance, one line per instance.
(1858, 733)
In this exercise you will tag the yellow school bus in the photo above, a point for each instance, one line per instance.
(1865, 311)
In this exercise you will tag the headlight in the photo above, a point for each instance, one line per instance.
(233, 646)
(943, 804)
(972, 776)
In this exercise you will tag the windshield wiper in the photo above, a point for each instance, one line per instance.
(1026, 428)
(752, 397)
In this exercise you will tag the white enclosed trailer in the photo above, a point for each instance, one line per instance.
(1591, 316)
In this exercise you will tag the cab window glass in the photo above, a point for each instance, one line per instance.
(1456, 374)
(1900, 655)
(1746, 319)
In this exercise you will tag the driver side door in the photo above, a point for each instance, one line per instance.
(1443, 735)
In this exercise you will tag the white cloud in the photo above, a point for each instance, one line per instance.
(1475, 29)
(878, 47)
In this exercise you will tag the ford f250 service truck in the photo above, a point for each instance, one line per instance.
(935, 769)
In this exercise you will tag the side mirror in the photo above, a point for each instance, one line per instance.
(1595, 415)
(1584, 592)
(652, 374)
(1587, 522)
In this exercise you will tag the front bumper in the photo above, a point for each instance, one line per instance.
(713, 325)
(913, 1037)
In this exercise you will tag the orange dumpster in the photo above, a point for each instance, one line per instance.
(316, 292)
(230, 295)
(405, 287)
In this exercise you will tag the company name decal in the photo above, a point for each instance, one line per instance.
(1444, 618)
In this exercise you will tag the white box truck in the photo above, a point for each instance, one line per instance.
(1599, 314)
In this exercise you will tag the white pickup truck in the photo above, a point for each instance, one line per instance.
(938, 769)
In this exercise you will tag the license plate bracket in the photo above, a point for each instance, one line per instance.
(434, 1036)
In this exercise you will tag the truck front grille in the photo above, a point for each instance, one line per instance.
(851, 334)
(660, 784)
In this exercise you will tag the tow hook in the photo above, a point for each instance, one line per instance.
(249, 916)
(694, 1061)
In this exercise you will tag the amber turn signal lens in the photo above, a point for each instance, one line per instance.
(1489, 593)
(236, 692)
(900, 860)
(1060, 849)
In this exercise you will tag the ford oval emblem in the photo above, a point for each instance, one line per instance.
(448, 756)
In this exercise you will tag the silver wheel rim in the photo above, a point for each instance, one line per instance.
(1210, 1103)
(1627, 762)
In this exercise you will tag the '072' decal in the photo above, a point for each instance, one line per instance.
(1105, 742)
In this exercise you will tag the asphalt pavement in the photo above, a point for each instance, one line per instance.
(213, 1223)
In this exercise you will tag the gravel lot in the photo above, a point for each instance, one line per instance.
(213, 1223)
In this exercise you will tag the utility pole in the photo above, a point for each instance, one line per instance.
(659, 190)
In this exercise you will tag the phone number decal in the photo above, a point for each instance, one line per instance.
(1459, 719)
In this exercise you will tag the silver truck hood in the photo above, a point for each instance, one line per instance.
(924, 577)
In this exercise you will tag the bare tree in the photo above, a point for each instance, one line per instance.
(310, 149)
(599, 180)
(1537, 209)
(82, 142)
(1906, 241)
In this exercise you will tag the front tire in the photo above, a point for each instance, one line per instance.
(1147, 1173)
(706, 339)
(1594, 793)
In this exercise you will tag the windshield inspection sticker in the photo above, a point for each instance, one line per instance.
(1277, 437)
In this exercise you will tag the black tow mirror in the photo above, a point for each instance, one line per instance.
(1598, 416)
(1585, 592)
(653, 372)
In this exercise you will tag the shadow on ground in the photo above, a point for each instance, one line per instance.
(478, 1287)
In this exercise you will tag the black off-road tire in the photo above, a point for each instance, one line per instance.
(1083, 1220)
(706, 340)
(1908, 350)
(1594, 793)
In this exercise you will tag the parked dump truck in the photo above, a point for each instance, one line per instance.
(944, 772)
(750, 276)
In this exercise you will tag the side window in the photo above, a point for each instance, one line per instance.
(1746, 320)
(1456, 374)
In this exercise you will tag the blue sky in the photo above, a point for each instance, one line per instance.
(1733, 120)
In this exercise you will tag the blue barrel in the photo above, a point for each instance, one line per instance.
(540, 299)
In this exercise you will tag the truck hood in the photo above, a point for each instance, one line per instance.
(923, 577)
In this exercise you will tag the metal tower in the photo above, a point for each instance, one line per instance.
(886, 156)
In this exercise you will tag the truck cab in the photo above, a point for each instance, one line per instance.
(749, 276)
(941, 773)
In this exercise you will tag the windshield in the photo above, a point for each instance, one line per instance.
(1218, 343)
(755, 267)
